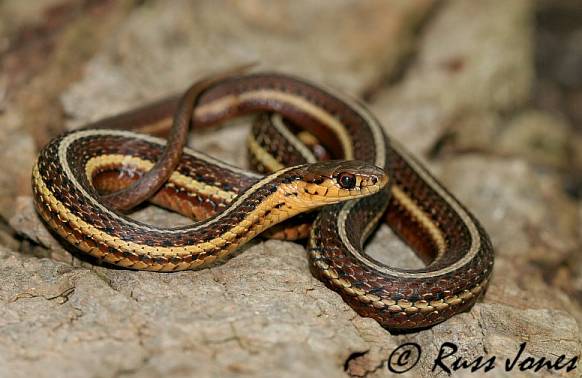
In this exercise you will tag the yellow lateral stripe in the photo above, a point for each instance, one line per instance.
(121, 245)
(263, 156)
(178, 179)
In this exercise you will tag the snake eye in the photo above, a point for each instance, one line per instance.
(347, 180)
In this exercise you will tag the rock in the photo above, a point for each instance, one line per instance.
(474, 132)
(15, 15)
(559, 328)
(42, 49)
(7, 237)
(504, 192)
(185, 41)
(537, 137)
(16, 159)
(242, 317)
(461, 67)
(387, 248)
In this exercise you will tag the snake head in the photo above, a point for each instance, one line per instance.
(334, 181)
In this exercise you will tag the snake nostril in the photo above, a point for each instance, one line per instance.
(374, 180)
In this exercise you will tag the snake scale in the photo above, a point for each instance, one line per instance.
(77, 176)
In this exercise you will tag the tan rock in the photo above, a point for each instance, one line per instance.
(468, 60)
(537, 137)
(16, 160)
(348, 44)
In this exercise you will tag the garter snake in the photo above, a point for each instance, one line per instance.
(233, 205)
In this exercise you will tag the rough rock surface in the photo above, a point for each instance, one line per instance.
(461, 84)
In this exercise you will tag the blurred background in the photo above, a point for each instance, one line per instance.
(487, 93)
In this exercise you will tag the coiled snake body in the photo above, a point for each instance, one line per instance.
(376, 180)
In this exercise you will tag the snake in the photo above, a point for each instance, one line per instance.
(319, 154)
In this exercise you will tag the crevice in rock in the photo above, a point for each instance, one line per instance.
(63, 296)
(482, 329)
(353, 359)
